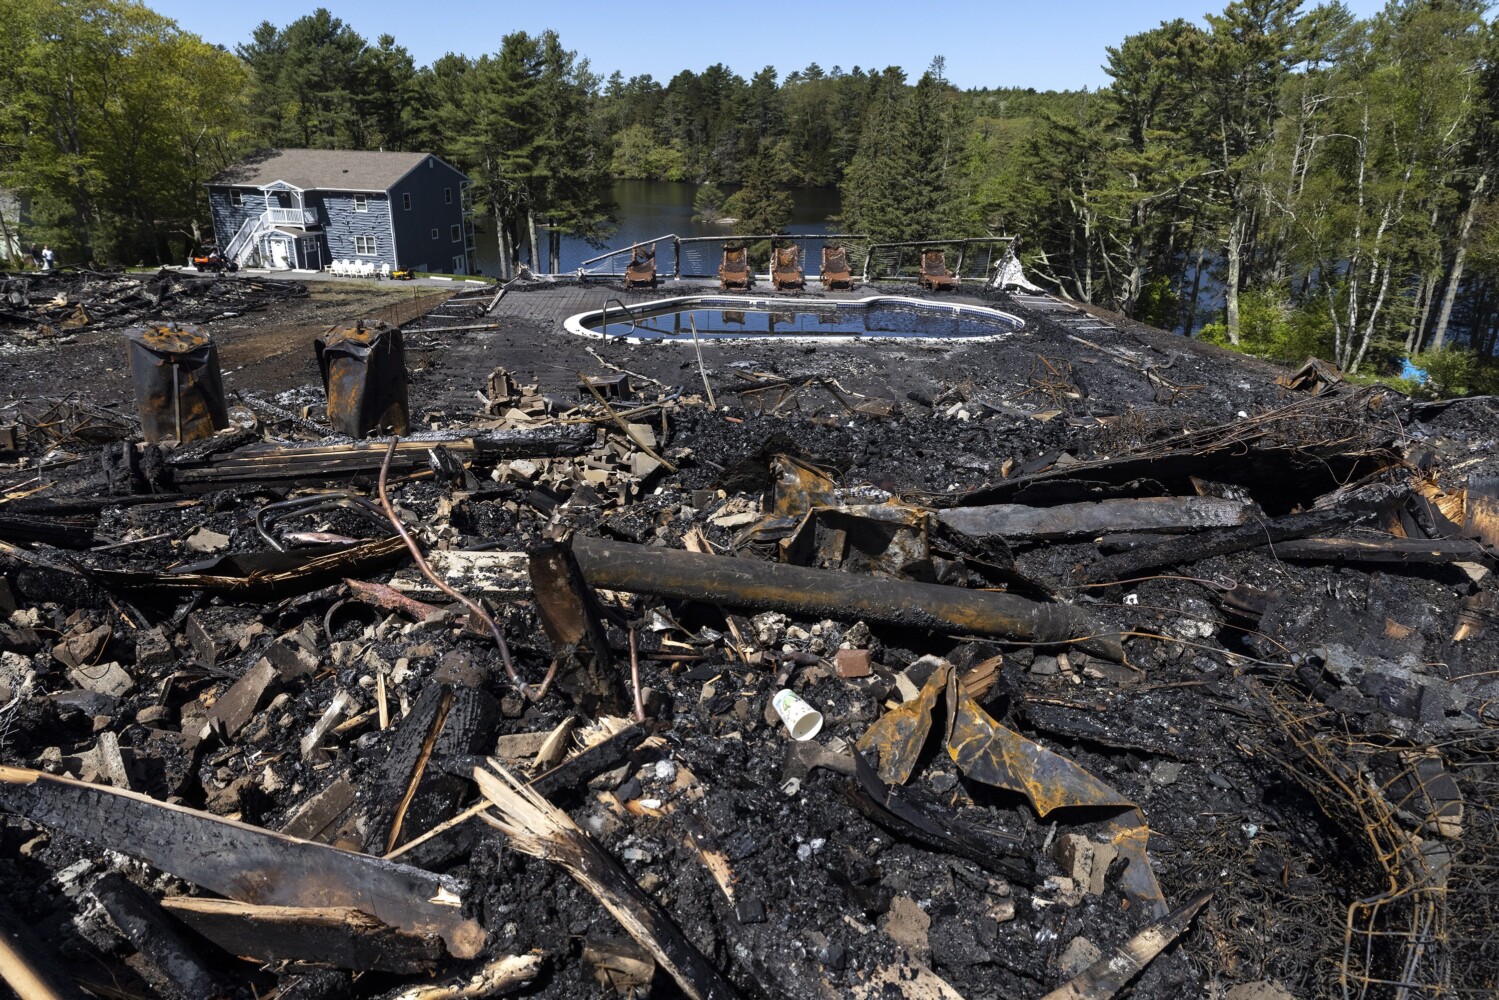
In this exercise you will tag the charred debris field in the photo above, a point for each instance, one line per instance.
(1080, 663)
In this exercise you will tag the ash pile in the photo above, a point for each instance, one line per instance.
(53, 306)
(627, 694)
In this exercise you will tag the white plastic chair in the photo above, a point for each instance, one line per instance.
(337, 267)
(384, 270)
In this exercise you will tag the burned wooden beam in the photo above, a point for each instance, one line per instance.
(258, 575)
(320, 460)
(570, 615)
(495, 978)
(1113, 972)
(318, 811)
(536, 827)
(1219, 541)
(241, 861)
(65, 533)
(28, 966)
(1167, 515)
(141, 919)
(1381, 550)
(330, 935)
(759, 586)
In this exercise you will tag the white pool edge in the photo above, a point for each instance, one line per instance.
(574, 324)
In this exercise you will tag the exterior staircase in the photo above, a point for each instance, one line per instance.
(244, 242)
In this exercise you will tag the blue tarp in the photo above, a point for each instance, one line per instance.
(1410, 371)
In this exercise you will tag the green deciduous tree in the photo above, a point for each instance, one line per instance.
(113, 118)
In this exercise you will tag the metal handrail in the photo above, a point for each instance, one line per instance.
(615, 253)
(871, 248)
(604, 317)
(962, 245)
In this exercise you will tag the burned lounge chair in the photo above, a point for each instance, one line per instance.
(734, 272)
(835, 272)
(786, 269)
(934, 273)
(641, 271)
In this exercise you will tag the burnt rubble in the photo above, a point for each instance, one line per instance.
(54, 306)
(1189, 699)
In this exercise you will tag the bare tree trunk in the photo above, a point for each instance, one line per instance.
(1191, 321)
(1235, 249)
(1439, 337)
(1417, 334)
(535, 247)
(6, 237)
(507, 254)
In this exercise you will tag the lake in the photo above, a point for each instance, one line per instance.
(650, 209)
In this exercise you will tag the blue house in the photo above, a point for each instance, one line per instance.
(305, 208)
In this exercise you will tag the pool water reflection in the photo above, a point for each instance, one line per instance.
(721, 318)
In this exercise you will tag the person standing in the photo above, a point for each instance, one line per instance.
(36, 255)
(47, 258)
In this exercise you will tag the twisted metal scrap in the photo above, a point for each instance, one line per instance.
(1427, 926)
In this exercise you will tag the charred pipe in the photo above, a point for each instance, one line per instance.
(760, 586)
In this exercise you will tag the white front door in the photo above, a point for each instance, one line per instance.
(279, 255)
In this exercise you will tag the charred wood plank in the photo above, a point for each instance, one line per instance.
(758, 586)
(570, 615)
(141, 919)
(260, 575)
(29, 967)
(332, 935)
(319, 460)
(1111, 973)
(1279, 478)
(241, 861)
(1169, 515)
(536, 827)
(319, 811)
(587, 764)
(1219, 541)
(65, 533)
(446, 720)
(1381, 550)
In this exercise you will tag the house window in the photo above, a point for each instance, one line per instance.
(434, 232)
(447, 196)
(361, 203)
(236, 197)
(457, 233)
(364, 246)
(406, 201)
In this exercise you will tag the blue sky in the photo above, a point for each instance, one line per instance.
(1046, 44)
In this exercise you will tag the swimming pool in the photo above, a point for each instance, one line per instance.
(725, 318)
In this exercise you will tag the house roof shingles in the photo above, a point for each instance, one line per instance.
(321, 169)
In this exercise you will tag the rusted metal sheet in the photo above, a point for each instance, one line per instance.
(364, 373)
(988, 752)
(899, 736)
(179, 393)
(747, 583)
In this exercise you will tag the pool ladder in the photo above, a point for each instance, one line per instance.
(604, 317)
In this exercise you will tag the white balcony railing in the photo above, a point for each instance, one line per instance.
(291, 216)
